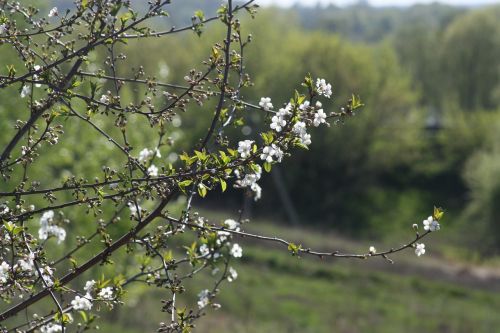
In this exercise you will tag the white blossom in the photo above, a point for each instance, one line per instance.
(236, 251)
(324, 88)
(89, 285)
(257, 190)
(200, 221)
(305, 139)
(47, 229)
(232, 224)
(431, 225)
(265, 103)
(271, 152)
(372, 250)
(153, 170)
(267, 154)
(204, 250)
(25, 91)
(232, 275)
(53, 12)
(4, 210)
(277, 123)
(286, 111)
(145, 154)
(27, 264)
(4, 272)
(51, 328)
(46, 218)
(250, 178)
(222, 237)
(245, 148)
(104, 99)
(46, 275)
(52, 230)
(278, 153)
(319, 118)
(35, 76)
(299, 128)
(164, 70)
(3, 28)
(134, 208)
(203, 298)
(304, 106)
(420, 249)
(82, 303)
(106, 293)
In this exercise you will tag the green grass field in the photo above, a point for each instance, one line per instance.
(276, 292)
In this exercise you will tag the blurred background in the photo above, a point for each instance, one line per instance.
(429, 75)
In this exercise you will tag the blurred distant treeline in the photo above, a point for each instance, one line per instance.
(429, 134)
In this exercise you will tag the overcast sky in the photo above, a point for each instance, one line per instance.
(378, 2)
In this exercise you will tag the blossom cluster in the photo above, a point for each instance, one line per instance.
(214, 253)
(51, 328)
(430, 224)
(222, 240)
(323, 88)
(249, 180)
(47, 228)
(291, 118)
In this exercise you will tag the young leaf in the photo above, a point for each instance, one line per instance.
(438, 213)
(223, 185)
(202, 190)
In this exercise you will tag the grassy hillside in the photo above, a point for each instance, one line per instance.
(276, 292)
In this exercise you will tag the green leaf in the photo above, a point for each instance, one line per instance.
(438, 213)
(73, 262)
(267, 137)
(295, 249)
(202, 156)
(215, 53)
(356, 102)
(85, 3)
(125, 17)
(185, 183)
(226, 159)
(223, 185)
(300, 99)
(267, 167)
(239, 122)
(168, 256)
(76, 83)
(83, 314)
(12, 70)
(308, 82)
(200, 15)
(301, 145)
(202, 190)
